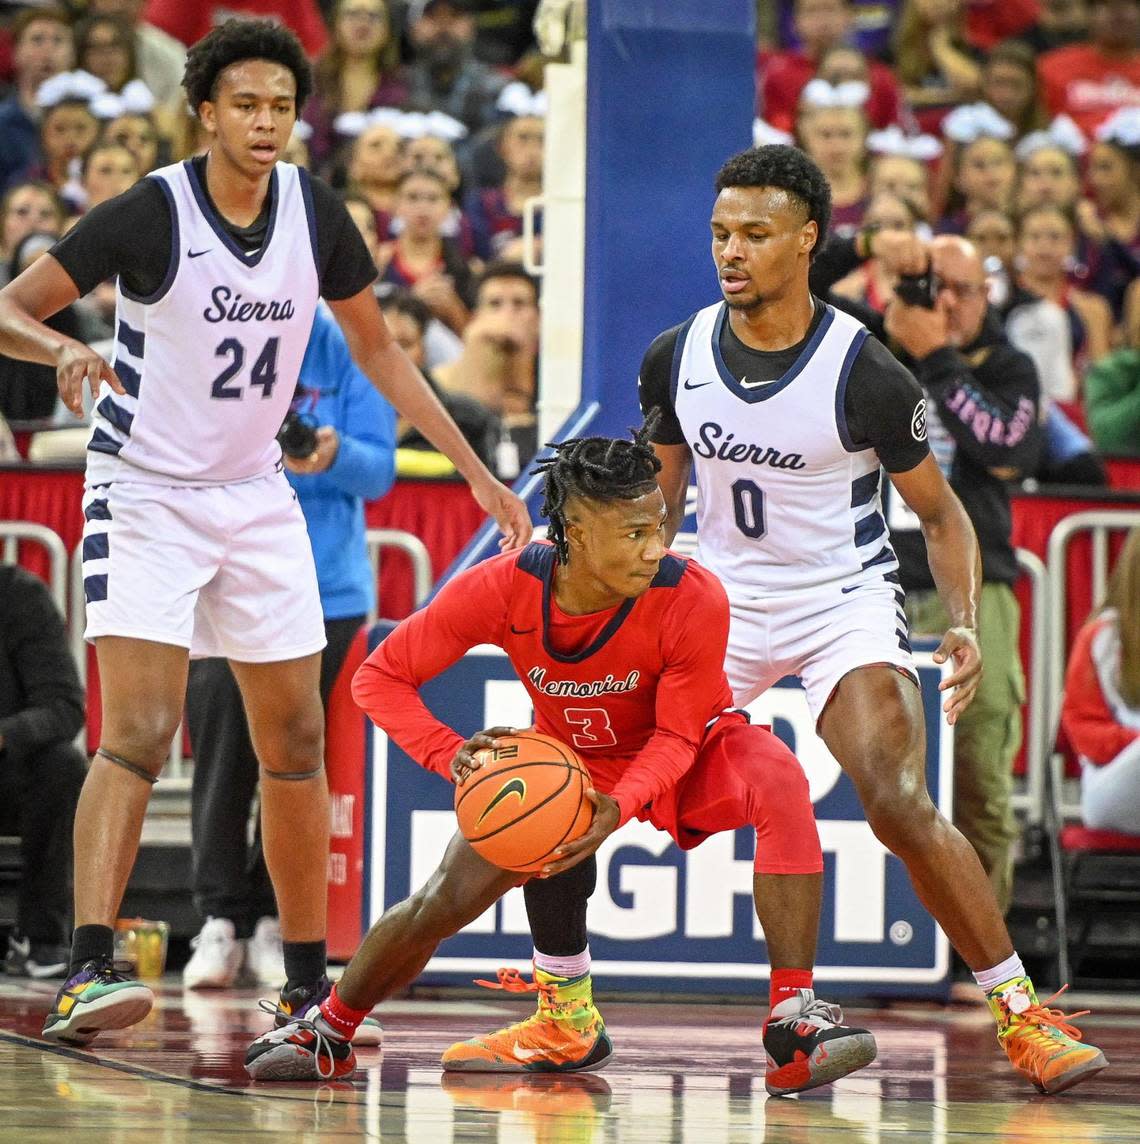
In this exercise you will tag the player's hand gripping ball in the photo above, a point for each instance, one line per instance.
(527, 798)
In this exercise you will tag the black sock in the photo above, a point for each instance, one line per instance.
(305, 962)
(89, 942)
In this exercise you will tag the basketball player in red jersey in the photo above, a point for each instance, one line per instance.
(620, 644)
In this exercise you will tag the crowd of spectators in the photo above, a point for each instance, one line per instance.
(427, 115)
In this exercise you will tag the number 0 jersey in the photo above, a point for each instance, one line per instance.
(633, 688)
(786, 499)
(210, 360)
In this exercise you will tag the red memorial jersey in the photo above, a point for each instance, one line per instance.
(632, 688)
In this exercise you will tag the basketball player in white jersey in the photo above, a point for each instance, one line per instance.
(786, 408)
(194, 542)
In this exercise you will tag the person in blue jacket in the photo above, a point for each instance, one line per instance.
(353, 459)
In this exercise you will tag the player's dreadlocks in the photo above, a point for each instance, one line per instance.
(599, 469)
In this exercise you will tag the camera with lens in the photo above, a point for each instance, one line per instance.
(297, 435)
(918, 289)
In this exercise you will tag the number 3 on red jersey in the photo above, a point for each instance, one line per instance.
(595, 723)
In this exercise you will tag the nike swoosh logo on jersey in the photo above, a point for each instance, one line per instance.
(198, 253)
(699, 385)
(522, 631)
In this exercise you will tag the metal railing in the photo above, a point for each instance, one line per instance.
(413, 547)
(12, 532)
(1032, 802)
(1100, 523)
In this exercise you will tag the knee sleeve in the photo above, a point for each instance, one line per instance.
(556, 909)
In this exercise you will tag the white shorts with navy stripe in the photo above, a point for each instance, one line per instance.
(223, 570)
(818, 634)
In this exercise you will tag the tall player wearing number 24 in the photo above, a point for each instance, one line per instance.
(620, 645)
(194, 541)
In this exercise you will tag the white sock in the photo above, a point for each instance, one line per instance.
(577, 965)
(999, 974)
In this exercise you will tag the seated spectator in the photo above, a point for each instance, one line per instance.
(504, 31)
(24, 208)
(105, 48)
(821, 26)
(937, 67)
(160, 58)
(430, 152)
(495, 212)
(900, 173)
(421, 257)
(1048, 175)
(374, 168)
(409, 319)
(41, 771)
(1112, 403)
(1100, 711)
(499, 363)
(1009, 86)
(108, 170)
(28, 389)
(982, 174)
(994, 236)
(139, 133)
(874, 284)
(1046, 243)
(42, 47)
(67, 128)
(832, 129)
(1059, 22)
(1091, 79)
(360, 69)
(444, 74)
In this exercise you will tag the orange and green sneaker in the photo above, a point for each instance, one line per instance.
(566, 1033)
(96, 998)
(1042, 1043)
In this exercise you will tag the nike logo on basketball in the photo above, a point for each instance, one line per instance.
(700, 385)
(522, 631)
(511, 786)
(198, 253)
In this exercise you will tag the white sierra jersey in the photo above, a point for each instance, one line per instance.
(785, 499)
(210, 361)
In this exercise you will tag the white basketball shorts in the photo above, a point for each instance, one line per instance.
(819, 634)
(223, 570)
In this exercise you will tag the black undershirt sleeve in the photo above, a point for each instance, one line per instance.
(654, 387)
(343, 263)
(882, 408)
(128, 236)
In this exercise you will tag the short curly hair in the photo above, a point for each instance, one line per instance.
(243, 39)
(789, 169)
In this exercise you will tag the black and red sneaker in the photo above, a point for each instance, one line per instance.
(808, 1045)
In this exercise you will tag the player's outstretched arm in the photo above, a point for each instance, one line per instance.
(392, 372)
(44, 289)
(956, 565)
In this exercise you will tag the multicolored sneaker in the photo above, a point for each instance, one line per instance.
(100, 996)
(300, 999)
(1040, 1042)
(303, 1048)
(808, 1045)
(566, 1034)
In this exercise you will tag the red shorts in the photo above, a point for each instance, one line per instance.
(743, 776)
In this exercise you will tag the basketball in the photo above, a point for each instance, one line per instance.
(527, 799)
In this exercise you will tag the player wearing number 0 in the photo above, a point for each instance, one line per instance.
(620, 645)
(786, 408)
(193, 540)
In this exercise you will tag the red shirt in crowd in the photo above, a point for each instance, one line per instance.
(988, 22)
(189, 22)
(1087, 85)
(632, 688)
(783, 75)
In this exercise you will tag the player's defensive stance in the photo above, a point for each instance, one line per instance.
(620, 644)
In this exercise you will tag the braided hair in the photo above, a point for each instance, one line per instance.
(599, 469)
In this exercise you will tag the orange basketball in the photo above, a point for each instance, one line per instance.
(527, 799)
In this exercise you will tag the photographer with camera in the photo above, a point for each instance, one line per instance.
(982, 399)
(338, 446)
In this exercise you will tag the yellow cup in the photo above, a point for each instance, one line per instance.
(143, 943)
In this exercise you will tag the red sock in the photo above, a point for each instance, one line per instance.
(342, 1019)
(784, 983)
